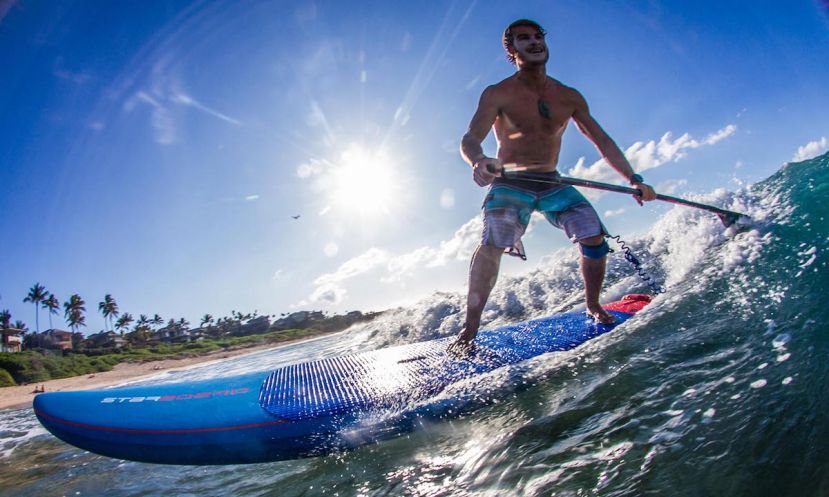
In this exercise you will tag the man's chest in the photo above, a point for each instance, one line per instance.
(528, 113)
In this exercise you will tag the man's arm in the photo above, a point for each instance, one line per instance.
(608, 148)
(479, 127)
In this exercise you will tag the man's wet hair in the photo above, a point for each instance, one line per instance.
(509, 37)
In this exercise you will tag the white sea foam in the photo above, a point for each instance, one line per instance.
(780, 341)
(18, 428)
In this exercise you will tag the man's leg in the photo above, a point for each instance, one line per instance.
(483, 272)
(592, 271)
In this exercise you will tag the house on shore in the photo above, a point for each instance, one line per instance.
(11, 341)
(106, 339)
(172, 333)
(53, 339)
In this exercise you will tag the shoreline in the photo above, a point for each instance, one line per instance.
(21, 396)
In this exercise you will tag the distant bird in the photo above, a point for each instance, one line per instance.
(296, 217)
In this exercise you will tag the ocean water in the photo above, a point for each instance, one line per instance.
(718, 388)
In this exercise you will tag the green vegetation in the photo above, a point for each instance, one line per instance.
(35, 367)
(57, 354)
(6, 379)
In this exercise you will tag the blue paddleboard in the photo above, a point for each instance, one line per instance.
(299, 410)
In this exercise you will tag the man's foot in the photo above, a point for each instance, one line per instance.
(464, 345)
(600, 315)
(461, 348)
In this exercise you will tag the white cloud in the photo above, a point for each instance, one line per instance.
(644, 156)
(252, 197)
(407, 265)
(330, 288)
(458, 248)
(671, 186)
(811, 150)
(354, 267)
(616, 212)
(328, 294)
(720, 135)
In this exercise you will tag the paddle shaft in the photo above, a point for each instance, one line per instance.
(727, 217)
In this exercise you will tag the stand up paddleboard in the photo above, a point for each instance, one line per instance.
(303, 409)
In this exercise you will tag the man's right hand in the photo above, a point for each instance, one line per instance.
(482, 171)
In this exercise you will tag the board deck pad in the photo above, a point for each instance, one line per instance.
(397, 377)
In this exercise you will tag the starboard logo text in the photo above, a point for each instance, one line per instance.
(168, 398)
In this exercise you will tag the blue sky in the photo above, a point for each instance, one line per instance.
(158, 151)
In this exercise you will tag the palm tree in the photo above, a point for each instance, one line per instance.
(138, 336)
(5, 319)
(124, 322)
(73, 311)
(20, 325)
(157, 320)
(142, 322)
(37, 294)
(207, 319)
(183, 324)
(53, 305)
(109, 309)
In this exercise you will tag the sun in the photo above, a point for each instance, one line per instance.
(364, 182)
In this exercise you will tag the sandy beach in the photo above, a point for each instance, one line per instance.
(20, 397)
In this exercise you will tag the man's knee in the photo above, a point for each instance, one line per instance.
(594, 248)
(490, 251)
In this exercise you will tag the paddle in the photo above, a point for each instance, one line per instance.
(727, 217)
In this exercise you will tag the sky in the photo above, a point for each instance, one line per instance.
(161, 151)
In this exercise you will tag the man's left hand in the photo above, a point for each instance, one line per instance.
(647, 195)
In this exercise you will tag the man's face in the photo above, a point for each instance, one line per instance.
(529, 45)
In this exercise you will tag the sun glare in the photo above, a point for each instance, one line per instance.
(364, 182)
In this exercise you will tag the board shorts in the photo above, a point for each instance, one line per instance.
(510, 203)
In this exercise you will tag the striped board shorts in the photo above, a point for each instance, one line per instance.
(508, 207)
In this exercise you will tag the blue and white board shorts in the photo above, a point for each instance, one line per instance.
(508, 207)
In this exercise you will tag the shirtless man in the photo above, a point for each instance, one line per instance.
(530, 111)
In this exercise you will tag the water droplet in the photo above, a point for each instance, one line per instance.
(758, 384)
